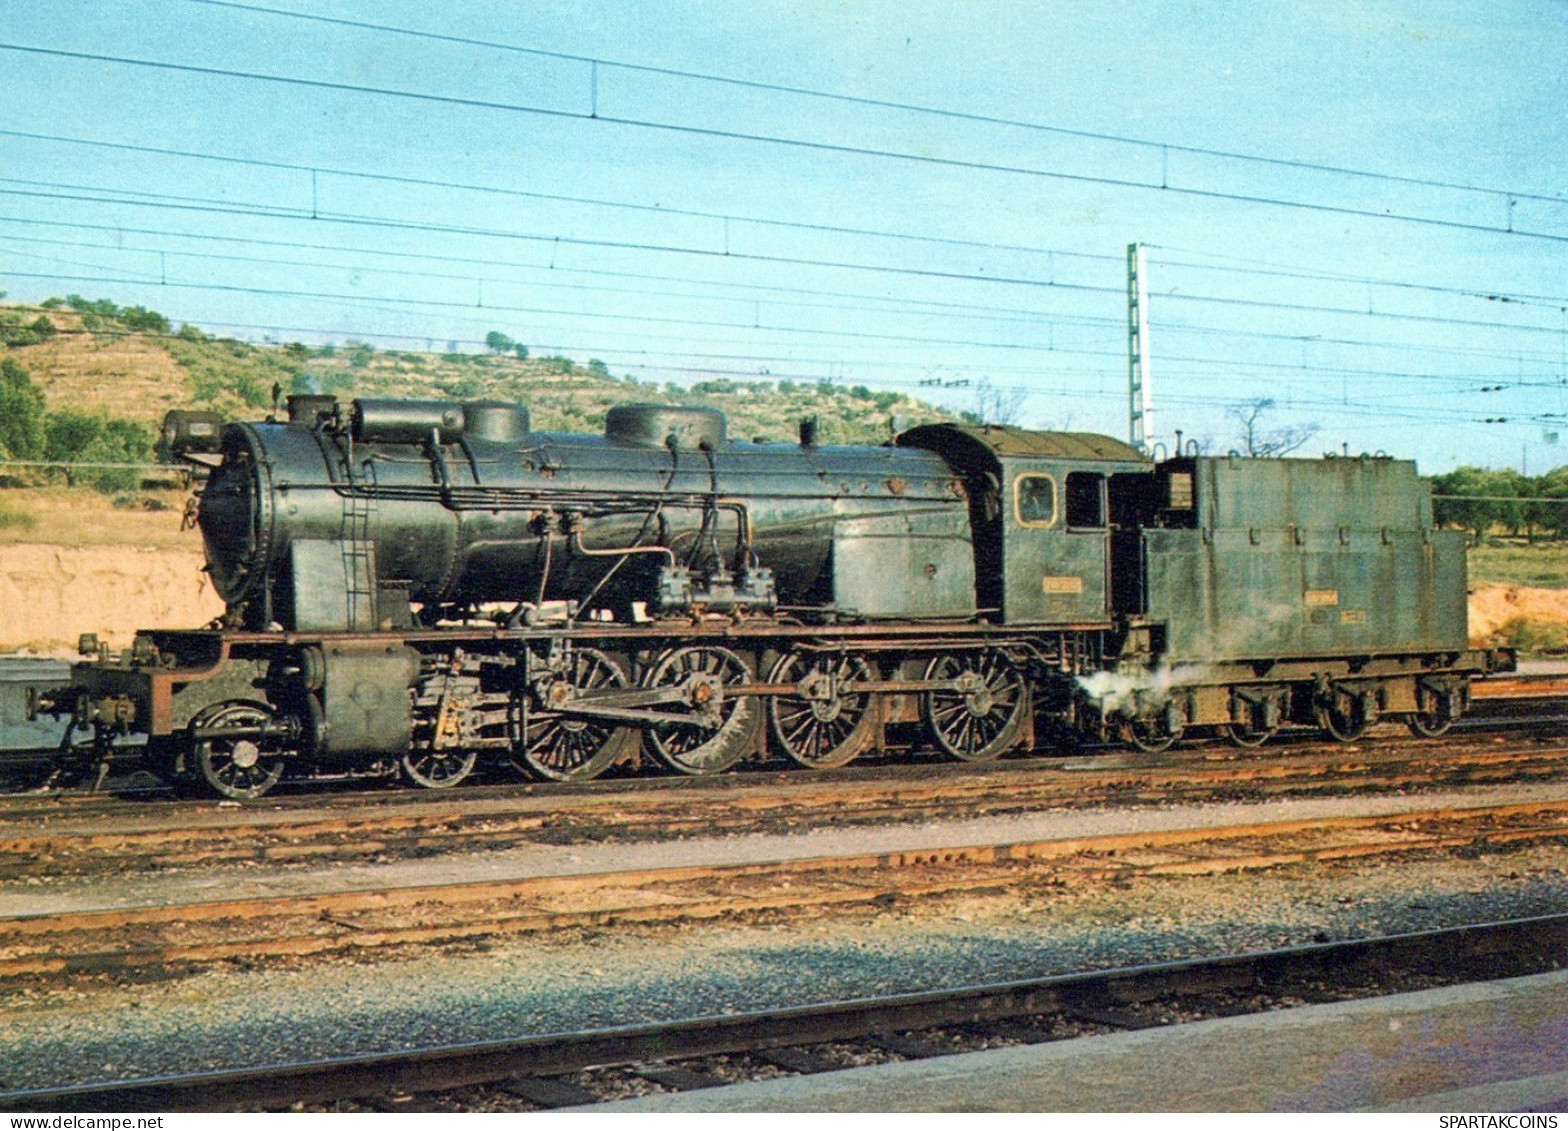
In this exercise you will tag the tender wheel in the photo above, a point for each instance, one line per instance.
(980, 720)
(1247, 736)
(1152, 736)
(721, 728)
(1435, 713)
(438, 769)
(241, 766)
(561, 747)
(1344, 719)
(821, 726)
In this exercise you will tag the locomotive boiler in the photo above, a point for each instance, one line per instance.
(415, 586)
(349, 525)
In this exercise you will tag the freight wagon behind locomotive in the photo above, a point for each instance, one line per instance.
(415, 586)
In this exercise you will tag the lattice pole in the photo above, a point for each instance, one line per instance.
(1140, 386)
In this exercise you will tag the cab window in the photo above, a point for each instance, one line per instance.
(1085, 499)
(1034, 500)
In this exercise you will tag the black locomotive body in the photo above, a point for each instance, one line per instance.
(417, 586)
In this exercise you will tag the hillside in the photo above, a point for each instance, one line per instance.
(130, 363)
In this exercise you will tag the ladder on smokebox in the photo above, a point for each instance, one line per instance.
(359, 568)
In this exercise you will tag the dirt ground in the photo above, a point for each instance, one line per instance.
(50, 595)
(1492, 606)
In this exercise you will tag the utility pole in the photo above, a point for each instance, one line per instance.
(1140, 387)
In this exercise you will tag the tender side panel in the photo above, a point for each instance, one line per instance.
(1307, 558)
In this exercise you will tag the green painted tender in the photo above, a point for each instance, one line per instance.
(1270, 558)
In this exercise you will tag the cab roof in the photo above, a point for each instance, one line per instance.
(1005, 442)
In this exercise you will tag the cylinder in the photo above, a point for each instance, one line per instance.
(380, 421)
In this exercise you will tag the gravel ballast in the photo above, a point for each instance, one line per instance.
(95, 1028)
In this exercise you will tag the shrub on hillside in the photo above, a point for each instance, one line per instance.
(148, 321)
(76, 437)
(15, 330)
(461, 387)
(222, 368)
(97, 314)
(21, 412)
(101, 307)
(251, 390)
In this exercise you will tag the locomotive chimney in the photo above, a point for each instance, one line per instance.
(808, 432)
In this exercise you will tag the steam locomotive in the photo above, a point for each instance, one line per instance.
(413, 587)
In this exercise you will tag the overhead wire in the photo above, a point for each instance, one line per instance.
(173, 201)
(1249, 367)
(188, 204)
(563, 198)
(1261, 268)
(596, 115)
(914, 307)
(1267, 269)
(166, 201)
(891, 104)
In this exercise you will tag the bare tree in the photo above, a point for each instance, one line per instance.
(997, 406)
(1267, 442)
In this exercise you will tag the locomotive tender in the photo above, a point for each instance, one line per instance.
(414, 585)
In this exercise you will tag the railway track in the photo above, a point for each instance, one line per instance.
(571, 1068)
(184, 933)
(47, 838)
(61, 837)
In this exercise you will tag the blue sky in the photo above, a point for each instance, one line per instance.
(1356, 210)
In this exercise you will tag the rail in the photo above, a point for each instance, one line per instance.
(1506, 948)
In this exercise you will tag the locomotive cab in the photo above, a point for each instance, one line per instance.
(1045, 510)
